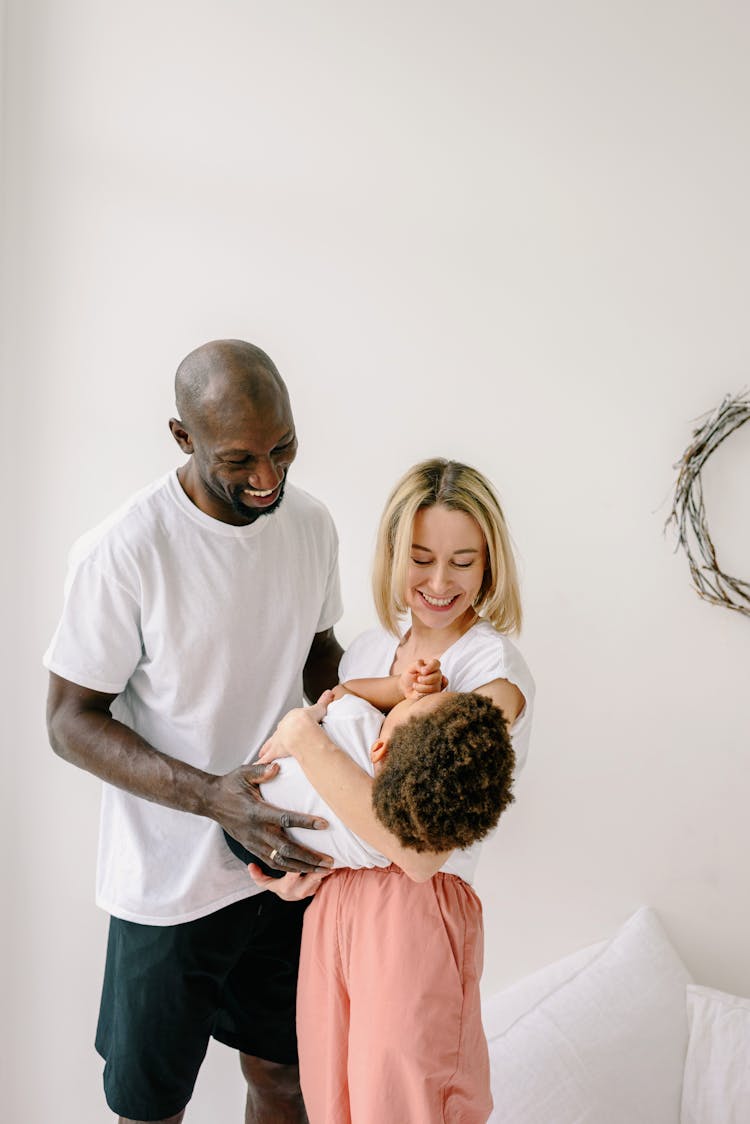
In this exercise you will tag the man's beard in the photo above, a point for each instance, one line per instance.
(253, 513)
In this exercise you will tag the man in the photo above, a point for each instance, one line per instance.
(193, 616)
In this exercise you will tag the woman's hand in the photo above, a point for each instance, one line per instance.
(292, 887)
(423, 677)
(293, 729)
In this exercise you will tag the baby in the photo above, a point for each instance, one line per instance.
(442, 762)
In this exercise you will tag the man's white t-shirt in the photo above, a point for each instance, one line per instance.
(202, 630)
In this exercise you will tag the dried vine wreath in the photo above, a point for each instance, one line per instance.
(689, 513)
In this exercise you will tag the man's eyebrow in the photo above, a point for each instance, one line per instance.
(464, 550)
(285, 440)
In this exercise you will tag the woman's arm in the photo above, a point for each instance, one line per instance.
(346, 788)
(504, 695)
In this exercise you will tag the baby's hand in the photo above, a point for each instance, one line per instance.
(423, 678)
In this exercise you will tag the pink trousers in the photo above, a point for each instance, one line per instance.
(388, 1008)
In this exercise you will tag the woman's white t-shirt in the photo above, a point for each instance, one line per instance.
(478, 657)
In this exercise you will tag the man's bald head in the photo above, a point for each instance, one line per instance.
(236, 425)
(217, 374)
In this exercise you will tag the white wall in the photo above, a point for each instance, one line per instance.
(512, 234)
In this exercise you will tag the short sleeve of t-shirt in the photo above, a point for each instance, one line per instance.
(370, 655)
(97, 643)
(333, 606)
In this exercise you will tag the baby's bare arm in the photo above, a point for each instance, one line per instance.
(423, 677)
(383, 692)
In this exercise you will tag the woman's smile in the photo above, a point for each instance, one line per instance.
(437, 602)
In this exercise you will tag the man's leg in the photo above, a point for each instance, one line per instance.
(273, 1092)
(257, 1015)
(162, 994)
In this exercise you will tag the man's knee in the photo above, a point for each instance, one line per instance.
(271, 1077)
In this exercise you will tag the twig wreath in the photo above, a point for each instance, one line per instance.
(689, 513)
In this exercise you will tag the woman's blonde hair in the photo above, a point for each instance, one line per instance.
(456, 487)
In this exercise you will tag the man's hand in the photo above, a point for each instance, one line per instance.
(292, 887)
(293, 729)
(237, 805)
(423, 677)
(83, 731)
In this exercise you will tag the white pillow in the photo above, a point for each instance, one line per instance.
(503, 1008)
(716, 1088)
(607, 1046)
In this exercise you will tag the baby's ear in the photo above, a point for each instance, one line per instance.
(378, 752)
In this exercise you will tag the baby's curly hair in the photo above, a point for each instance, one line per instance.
(448, 775)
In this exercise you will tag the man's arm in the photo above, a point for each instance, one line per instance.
(321, 669)
(83, 731)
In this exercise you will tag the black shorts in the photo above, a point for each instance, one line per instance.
(168, 988)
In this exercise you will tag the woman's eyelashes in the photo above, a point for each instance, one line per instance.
(456, 565)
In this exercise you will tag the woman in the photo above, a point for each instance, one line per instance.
(388, 1014)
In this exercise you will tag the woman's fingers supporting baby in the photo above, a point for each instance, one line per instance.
(292, 887)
